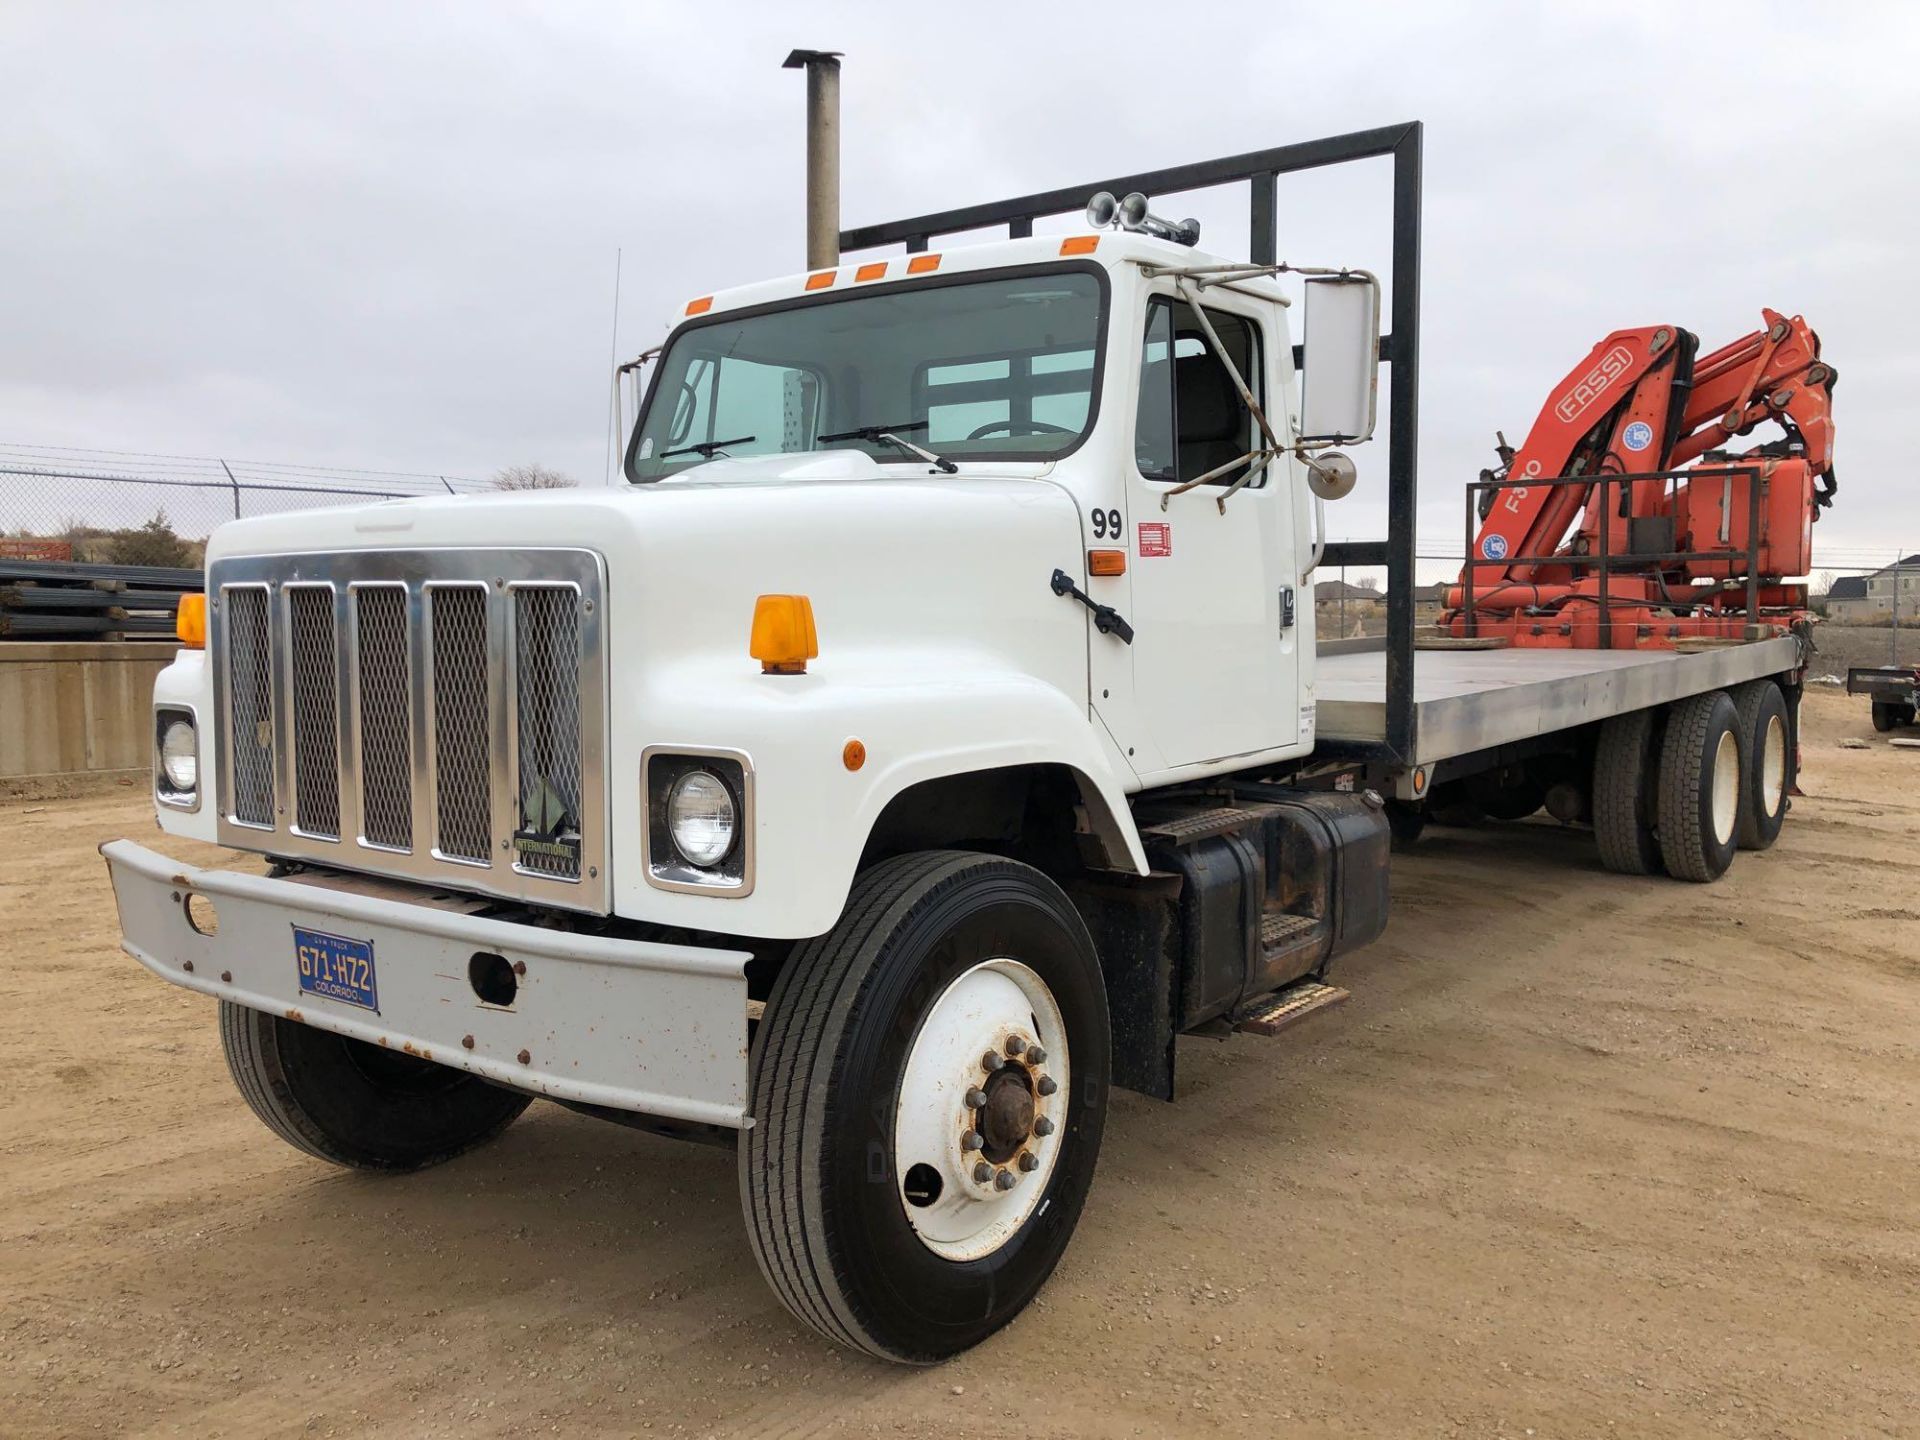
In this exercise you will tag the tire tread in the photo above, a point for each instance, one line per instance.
(1620, 819)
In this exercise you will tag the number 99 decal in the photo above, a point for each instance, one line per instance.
(1107, 525)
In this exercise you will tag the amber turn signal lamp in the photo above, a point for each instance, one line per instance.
(1106, 562)
(783, 635)
(854, 755)
(190, 621)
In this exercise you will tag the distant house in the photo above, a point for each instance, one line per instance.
(1326, 591)
(1871, 597)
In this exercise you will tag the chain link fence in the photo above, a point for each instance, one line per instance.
(108, 507)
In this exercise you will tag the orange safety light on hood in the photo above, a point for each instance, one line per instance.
(783, 635)
(190, 621)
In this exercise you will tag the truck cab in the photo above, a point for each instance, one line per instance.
(913, 742)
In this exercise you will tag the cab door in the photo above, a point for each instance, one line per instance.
(1216, 607)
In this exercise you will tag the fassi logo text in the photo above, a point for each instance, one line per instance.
(1591, 386)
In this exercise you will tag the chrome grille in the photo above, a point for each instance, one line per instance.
(463, 799)
(434, 715)
(546, 637)
(386, 721)
(316, 711)
(250, 698)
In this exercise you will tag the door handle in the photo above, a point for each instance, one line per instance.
(1106, 619)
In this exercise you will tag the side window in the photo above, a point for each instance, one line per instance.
(1191, 419)
(1153, 427)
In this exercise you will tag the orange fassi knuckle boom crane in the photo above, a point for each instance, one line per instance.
(1681, 556)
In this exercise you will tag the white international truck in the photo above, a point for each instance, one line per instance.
(928, 732)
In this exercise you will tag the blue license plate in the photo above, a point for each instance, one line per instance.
(336, 968)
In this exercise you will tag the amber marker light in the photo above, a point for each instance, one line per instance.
(190, 621)
(1106, 562)
(820, 279)
(875, 271)
(1080, 245)
(700, 306)
(923, 264)
(783, 635)
(853, 755)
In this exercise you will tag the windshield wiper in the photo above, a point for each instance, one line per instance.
(706, 449)
(885, 435)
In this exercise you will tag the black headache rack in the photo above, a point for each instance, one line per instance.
(1400, 348)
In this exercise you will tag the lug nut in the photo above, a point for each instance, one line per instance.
(1036, 1056)
(983, 1172)
(1047, 1085)
(976, 1098)
(1005, 1180)
(1015, 1045)
(1043, 1126)
(1029, 1161)
(971, 1140)
(992, 1061)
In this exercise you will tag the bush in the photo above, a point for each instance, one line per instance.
(154, 543)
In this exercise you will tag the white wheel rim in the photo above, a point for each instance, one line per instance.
(1773, 765)
(941, 1139)
(1726, 786)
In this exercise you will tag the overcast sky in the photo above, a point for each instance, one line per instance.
(383, 235)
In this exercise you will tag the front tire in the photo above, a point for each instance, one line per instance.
(356, 1104)
(904, 1195)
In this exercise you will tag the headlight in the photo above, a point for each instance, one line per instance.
(180, 756)
(700, 817)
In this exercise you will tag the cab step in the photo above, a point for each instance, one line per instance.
(1198, 825)
(1271, 1014)
(1281, 928)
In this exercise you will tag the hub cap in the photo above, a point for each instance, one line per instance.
(1726, 786)
(982, 1110)
(1773, 765)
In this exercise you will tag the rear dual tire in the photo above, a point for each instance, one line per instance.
(1702, 774)
(1679, 788)
(1766, 731)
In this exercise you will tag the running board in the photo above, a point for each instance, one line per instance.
(1271, 1014)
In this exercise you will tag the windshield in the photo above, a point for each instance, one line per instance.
(1002, 367)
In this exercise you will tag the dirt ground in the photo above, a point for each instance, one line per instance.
(1584, 1155)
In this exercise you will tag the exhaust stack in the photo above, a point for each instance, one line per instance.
(823, 153)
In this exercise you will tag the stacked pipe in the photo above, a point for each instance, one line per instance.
(56, 600)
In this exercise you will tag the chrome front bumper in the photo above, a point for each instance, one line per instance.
(633, 1025)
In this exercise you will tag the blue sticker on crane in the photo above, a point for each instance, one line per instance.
(1637, 436)
(1494, 547)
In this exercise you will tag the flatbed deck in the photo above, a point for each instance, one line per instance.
(1471, 700)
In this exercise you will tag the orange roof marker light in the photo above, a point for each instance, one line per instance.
(875, 271)
(783, 637)
(1080, 245)
(820, 279)
(700, 306)
(923, 264)
(190, 621)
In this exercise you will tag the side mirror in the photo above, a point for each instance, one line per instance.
(1342, 340)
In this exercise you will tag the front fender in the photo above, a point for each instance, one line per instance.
(917, 720)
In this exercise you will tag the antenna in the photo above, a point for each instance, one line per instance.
(613, 363)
